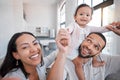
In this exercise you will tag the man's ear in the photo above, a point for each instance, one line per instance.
(15, 55)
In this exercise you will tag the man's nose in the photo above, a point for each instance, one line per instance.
(90, 46)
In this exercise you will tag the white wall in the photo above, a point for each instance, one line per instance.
(10, 21)
(117, 18)
(115, 44)
(40, 15)
(71, 6)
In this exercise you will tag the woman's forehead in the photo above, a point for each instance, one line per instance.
(25, 38)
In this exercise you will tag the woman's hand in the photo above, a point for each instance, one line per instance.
(63, 40)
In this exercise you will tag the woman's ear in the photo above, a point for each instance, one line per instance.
(15, 55)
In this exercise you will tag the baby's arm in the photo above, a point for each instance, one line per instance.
(98, 29)
(101, 29)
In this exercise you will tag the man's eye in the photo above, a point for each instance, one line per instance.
(96, 47)
(88, 40)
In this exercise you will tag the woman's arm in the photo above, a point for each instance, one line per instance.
(57, 70)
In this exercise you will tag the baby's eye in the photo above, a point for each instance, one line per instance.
(81, 14)
(87, 15)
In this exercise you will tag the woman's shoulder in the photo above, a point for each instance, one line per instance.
(16, 73)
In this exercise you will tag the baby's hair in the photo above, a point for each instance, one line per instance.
(83, 5)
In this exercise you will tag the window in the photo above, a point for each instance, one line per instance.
(61, 16)
(80, 2)
(96, 20)
(97, 2)
(89, 2)
(107, 18)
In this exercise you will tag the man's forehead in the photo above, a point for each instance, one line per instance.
(97, 39)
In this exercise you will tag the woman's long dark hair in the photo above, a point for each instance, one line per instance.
(10, 62)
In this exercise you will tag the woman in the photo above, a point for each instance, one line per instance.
(24, 58)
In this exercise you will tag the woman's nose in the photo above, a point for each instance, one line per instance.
(33, 48)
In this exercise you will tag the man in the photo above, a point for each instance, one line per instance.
(79, 66)
(113, 76)
(89, 48)
(83, 69)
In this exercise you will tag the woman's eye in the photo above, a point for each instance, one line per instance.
(36, 43)
(24, 47)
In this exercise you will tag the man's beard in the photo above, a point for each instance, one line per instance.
(80, 55)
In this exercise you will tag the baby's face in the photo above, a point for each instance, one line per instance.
(84, 15)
